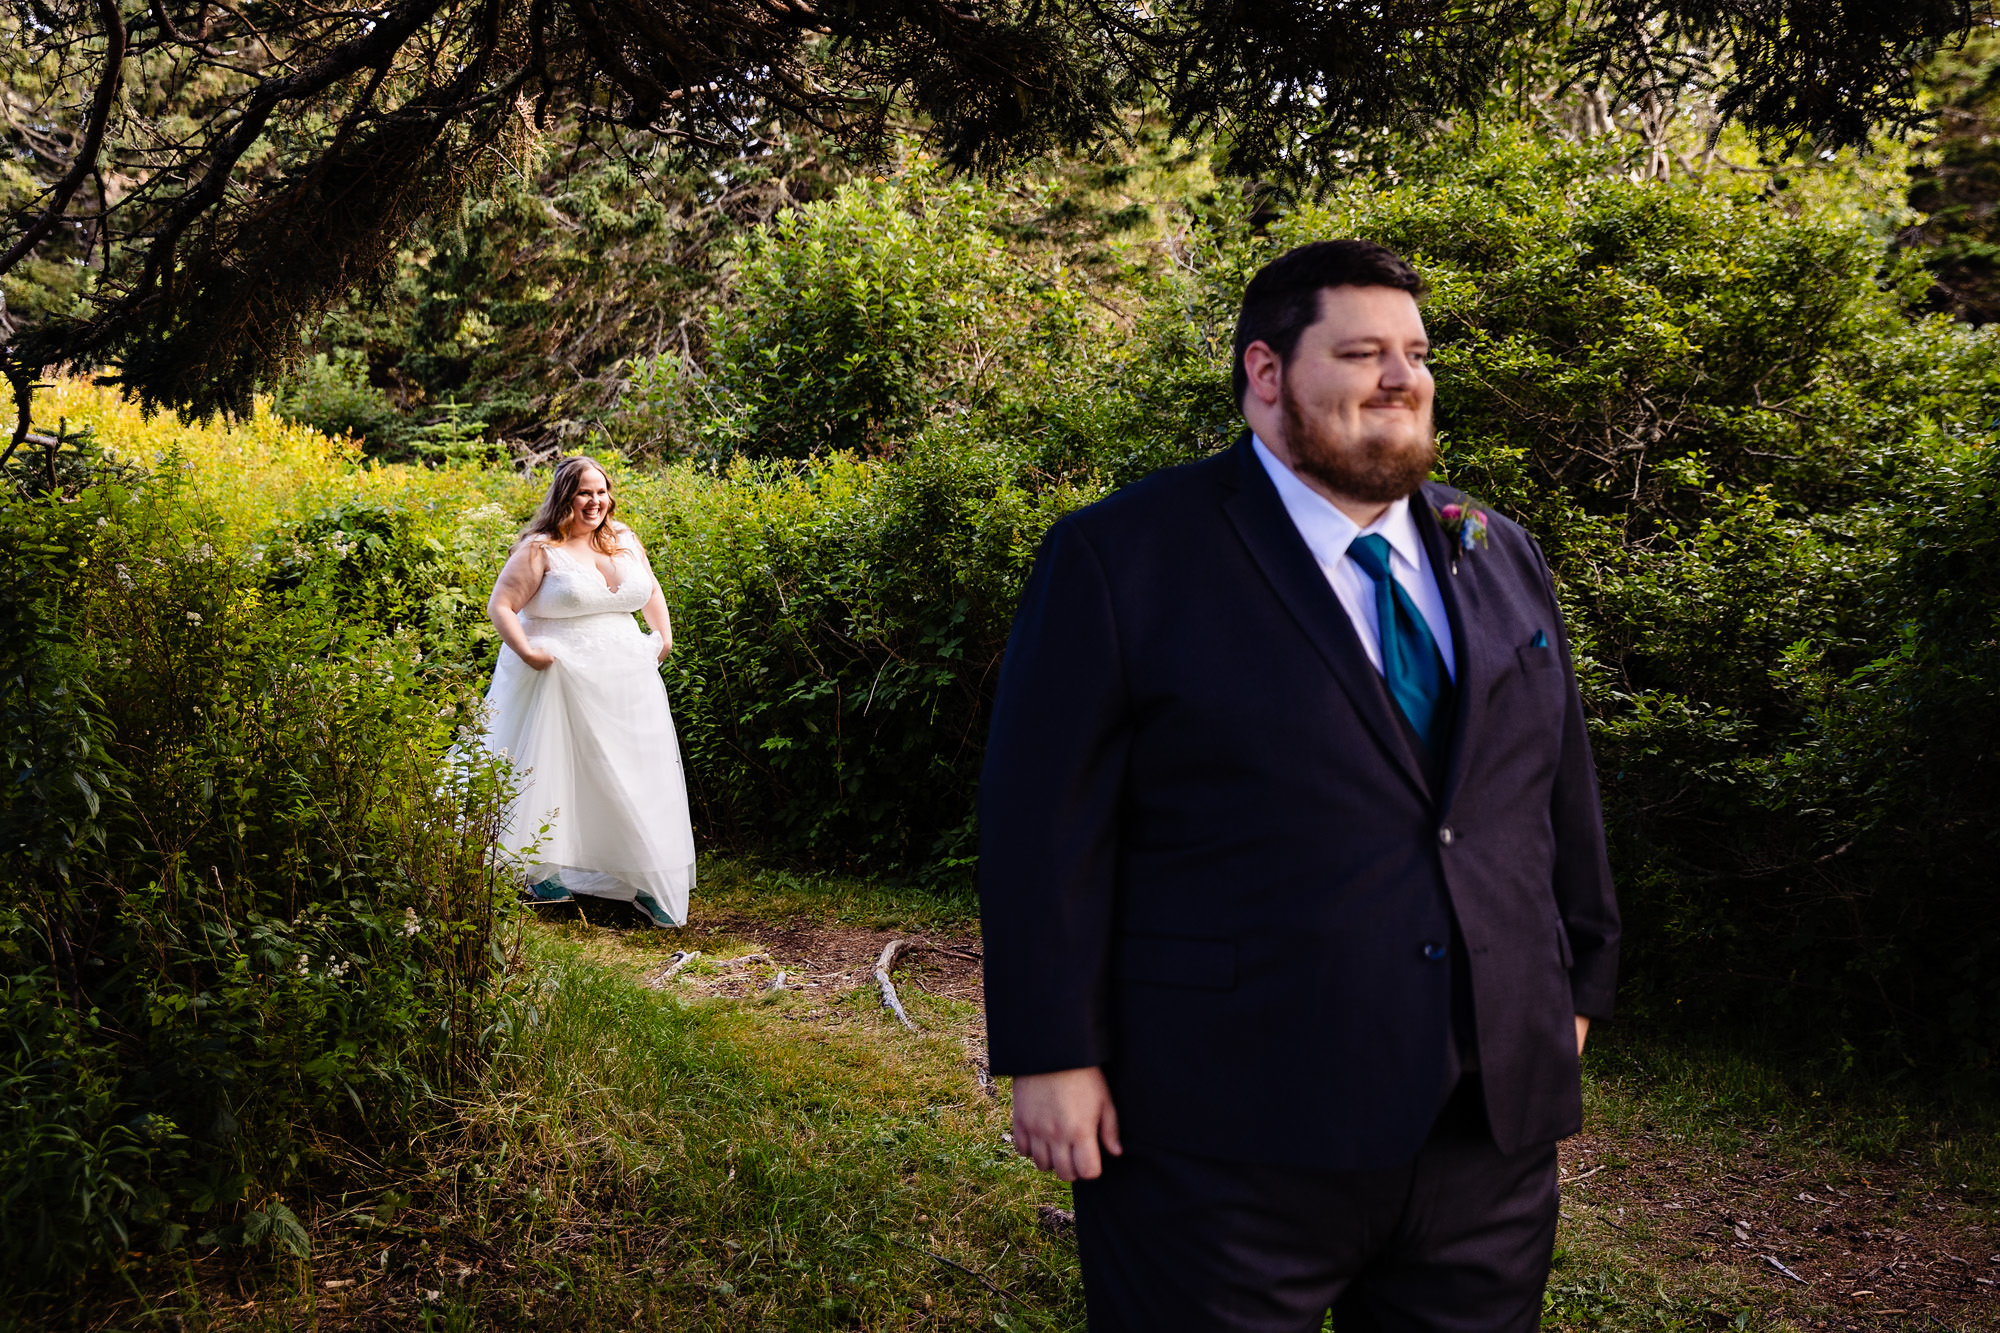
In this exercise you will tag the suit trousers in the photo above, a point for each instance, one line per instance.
(1456, 1241)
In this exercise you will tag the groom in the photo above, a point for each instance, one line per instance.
(1292, 871)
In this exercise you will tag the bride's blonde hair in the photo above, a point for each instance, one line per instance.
(556, 505)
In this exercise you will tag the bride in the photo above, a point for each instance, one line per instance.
(577, 705)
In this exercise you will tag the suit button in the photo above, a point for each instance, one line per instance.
(1445, 835)
(1434, 951)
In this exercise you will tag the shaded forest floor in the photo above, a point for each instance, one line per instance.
(711, 1151)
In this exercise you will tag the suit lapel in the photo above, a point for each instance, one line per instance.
(1459, 587)
(1274, 543)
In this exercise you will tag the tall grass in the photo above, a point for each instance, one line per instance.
(643, 1161)
(765, 1169)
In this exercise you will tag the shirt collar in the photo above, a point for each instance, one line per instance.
(1326, 530)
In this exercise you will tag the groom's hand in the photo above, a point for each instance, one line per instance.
(1061, 1118)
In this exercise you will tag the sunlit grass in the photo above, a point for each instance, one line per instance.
(649, 1160)
(784, 1173)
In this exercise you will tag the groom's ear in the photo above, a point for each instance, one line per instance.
(1263, 375)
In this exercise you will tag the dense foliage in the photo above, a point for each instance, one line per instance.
(1725, 420)
(840, 635)
(1724, 423)
(248, 912)
(1957, 186)
(568, 302)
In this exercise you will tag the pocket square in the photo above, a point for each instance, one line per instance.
(1541, 639)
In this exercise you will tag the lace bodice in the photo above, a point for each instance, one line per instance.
(575, 612)
(573, 587)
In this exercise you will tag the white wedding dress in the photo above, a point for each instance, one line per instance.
(602, 808)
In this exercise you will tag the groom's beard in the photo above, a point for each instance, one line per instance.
(1372, 468)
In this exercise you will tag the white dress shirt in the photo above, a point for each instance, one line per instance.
(1328, 533)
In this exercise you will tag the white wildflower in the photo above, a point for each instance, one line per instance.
(194, 617)
(305, 967)
(410, 923)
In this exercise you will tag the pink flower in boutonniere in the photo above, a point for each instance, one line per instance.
(1464, 526)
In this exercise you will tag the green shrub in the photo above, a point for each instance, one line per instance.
(249, 908)
(836, 633)
(1720, 417)
(332, 394)
(849, 324)
(398, 571)
(1900, 754)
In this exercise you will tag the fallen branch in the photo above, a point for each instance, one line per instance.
(989, 1283)
(744, 961)
(892, 951)
(679, 960)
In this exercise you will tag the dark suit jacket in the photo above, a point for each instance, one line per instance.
(1210, 860)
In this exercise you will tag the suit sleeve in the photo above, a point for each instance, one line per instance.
(1049, 804)
(1583, 888)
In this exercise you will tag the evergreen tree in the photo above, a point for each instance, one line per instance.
(227, 173)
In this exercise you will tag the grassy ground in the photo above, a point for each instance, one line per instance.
(717, 1154)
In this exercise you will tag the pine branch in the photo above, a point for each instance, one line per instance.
(86, 154)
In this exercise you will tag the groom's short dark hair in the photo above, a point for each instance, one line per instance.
(1282, 301)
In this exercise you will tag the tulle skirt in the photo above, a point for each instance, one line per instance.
(602, 808)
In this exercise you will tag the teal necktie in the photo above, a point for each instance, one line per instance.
(1411, 664)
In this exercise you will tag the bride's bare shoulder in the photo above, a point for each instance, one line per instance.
(532, 547)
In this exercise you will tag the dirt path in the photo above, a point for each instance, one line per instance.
(836, 960)
(1837, 1243)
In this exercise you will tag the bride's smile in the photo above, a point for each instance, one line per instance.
(592, 504)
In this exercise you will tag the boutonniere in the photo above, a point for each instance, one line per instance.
(1464, 526)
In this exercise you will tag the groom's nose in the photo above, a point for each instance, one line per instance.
(1397, 372)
